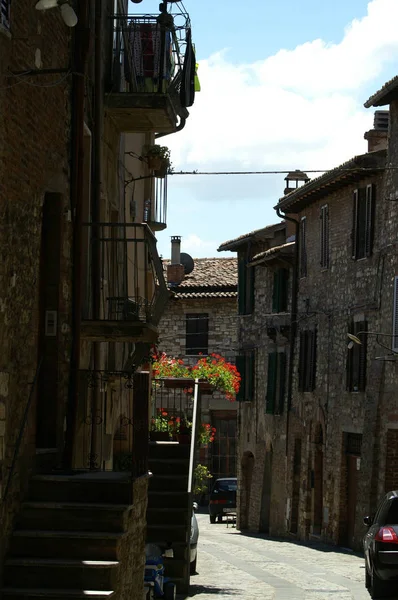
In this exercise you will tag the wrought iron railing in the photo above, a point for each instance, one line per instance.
(149, 53)
(131, 280)
(155, 209)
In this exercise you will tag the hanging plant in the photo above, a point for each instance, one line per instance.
(158, 159)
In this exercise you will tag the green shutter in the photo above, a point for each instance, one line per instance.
(250, 375)
(242, 285)
(240, 363)
(282, 381)
(284, 275)
(251, 284)
(271, 383)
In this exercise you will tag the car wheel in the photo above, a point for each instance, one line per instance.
(212, 519)
(192, 566)
(378, 587)
(169, 591)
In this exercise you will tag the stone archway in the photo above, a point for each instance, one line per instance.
(317, 500)
(247, 466)
(265, 510)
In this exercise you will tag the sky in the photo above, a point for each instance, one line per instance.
(283, 86)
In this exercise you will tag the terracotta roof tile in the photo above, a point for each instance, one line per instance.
(211, 278)
(272, 251)
(384, 95)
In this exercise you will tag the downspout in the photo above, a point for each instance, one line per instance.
(293, 322)
(96, 229)
(80, 53)
(179, 127)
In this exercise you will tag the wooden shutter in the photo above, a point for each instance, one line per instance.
(303, 247)
(324, 236)
(395, 317)
(242, 285)
(250, 371)
(312, 361)
(240, 363)
(362, 326)
(355, 224)
(250, 274)
(369, 218)
(271, 383)
(282, 381)
(302, 361)
(350, 360)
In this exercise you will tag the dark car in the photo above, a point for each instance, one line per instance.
(381, 548)
(193, 541)
(222, 498)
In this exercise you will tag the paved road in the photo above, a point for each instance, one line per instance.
(249, 567)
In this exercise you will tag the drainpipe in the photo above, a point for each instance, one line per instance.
(80, 53)
(96, 408)
(293, 322)
(179, 127)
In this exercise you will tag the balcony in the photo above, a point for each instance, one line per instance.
(155, 209)
(152, 74)
(126, 292)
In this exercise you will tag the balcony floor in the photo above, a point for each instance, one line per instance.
(118, 331)
(141, 112)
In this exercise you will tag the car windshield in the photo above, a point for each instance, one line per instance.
(227, 485)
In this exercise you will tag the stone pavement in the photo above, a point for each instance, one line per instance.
(251, 567)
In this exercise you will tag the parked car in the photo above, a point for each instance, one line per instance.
(222, 498)
(381, 548)
(193, 542)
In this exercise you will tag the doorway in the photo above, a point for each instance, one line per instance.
(48, 339)
(349, 487)
(266, 493)
(317, 513)
(294, 516)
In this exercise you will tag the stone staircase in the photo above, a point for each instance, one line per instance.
(69, 538)
(170, 507)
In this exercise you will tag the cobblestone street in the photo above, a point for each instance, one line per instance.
(249, 567)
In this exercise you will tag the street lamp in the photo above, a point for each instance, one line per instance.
(355, 339)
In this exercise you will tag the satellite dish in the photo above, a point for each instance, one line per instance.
(188, 263)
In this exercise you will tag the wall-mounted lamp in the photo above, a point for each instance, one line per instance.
(354, 339)
(68, 14)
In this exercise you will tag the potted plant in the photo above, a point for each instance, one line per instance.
(201, 476)
(164, 366)
(206, 434)
(221, 374)
(160, 428)
(158, 158)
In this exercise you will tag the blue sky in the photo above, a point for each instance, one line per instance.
(283, 86)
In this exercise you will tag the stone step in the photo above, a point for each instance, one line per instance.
(167, 466)
(74, 516)
(166, 533)
(167, 499)
(60, 574)
(100, 488)
(172, 516)
(169, 450)
(65, 544)
(54, 594)
(178, 483)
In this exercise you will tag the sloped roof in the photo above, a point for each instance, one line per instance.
(384, 95)
(210, 278)
(263, 256)
(257, 234)
(351, 171)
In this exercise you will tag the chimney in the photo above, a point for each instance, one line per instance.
(175, 270)
(377, 137)
(294, 180)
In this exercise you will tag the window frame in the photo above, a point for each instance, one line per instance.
(246, 366)
(363, 221)
(276, 383)
(324, 236)
(303, 247)
(279, 291)
(307, 360)
(198, 318)
(246, 282)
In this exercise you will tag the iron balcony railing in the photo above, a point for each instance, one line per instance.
(155, 209)
(153, 55)
(129, 273)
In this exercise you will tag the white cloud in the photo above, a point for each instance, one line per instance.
(300, 108)
(194, 245)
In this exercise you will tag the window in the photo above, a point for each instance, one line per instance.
(303, 247)
(307, 361)
(395, 317)
(279, 295)
(363, 222)
(5, 13)
(356, 359)
(245, 363)
(223, 459)
(197, 334)
(324, 218)
(245, 286)
(276, 383)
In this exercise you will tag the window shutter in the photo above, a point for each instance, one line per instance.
(276, 291)
(282, 381)
(312, 361)
(369, 218)
(355, 224)
(324, 216)
(250, 284)
(302, 361)
(271, 383)
(283, 290)
(350, 358)
(250, 366)
(240, 363)
(362, 326)
(303, 247)
(395, 317)
(242, 285)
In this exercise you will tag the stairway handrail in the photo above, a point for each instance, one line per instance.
(22, 430)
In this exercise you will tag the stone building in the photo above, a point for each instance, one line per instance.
(316, 469)
(201, 319)
(82, 284)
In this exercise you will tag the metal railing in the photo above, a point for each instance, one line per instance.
(132, 284)
(22, 430)
(155, 209)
